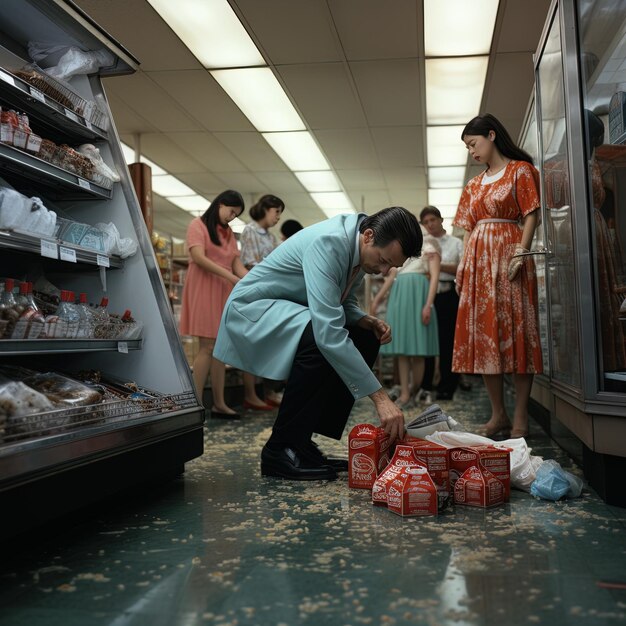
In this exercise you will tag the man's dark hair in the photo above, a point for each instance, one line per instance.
(395, 223)
(430, 210)
(290, 227)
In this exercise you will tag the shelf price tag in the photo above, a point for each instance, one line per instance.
(83, 183)
(35, 93)
(72, 115)
(122, 347)
(102, 260)
(7, 78)
(49, 249)
(67, 254)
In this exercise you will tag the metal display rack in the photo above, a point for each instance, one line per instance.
(55, 462)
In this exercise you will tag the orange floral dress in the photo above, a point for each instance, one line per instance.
(496, 328)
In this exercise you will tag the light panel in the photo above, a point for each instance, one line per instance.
(190, 203)
(442, 177)
(298, 150)
(169, 185)
(319, 181)
(444, 197)
(260, 97)
(211, 30)
(454, 89)
(445, 146)
(237, 225)
(458, 27)
(333, 203)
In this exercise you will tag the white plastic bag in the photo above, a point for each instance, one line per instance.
(114, 244)
(72, 62)
(18, 212)
(93, 154)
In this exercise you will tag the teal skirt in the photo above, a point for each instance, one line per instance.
(410, 337)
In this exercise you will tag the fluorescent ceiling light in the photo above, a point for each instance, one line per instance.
(444, 197)
(458, 27)
(332, 212)
(441, 177)
(298, 150)
(168, 185)
(334, 201)
(260, 97)
(129, 153)
(190, 203)
(319, 181)
(445, 146)
(454, 89)
(211, 30)
(237, 225)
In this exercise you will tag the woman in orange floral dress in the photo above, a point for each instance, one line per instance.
(497, 330)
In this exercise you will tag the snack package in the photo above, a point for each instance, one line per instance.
(64, 391)
(497, 460)
(412, 493)
(403, 457)
(368, 455)
(478, 487)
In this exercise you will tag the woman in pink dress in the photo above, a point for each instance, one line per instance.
(214, 268)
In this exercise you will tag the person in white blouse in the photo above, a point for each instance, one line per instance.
(256, 240)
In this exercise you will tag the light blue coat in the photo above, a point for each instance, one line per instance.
(300, 281)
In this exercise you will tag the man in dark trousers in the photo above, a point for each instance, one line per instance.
(295, 316)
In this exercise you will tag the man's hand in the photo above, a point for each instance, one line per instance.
(381, 329)
(390, 415)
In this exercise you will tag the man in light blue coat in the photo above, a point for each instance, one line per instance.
(295, 316)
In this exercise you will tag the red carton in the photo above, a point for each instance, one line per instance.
(478, 487)
(403, 457)
(437, 461)
(368, 448)
(495, 459)
(412, 493)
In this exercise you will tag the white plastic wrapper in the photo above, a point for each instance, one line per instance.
(114, 244)
(72, 60)
(18, 212)
(93, 154)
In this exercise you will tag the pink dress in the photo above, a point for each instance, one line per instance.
(205, 293)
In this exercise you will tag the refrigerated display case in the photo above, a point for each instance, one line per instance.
(577, 119)
(147, 422)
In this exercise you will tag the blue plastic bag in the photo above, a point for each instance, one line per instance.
(552, 482)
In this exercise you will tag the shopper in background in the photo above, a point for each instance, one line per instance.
(214, 267)
(295, 316)
(289, 228)
(411, 315)
(496, 330)
(446, 305)
(256, 240)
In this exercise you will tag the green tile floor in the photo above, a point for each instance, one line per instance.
(223, 546)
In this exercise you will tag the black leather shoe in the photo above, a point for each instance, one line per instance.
(312, 450)
(289, 463)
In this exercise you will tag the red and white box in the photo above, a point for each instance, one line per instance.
(478, 487)
(412, 493)
(437, 461)
(403, 457)
(368, 449)
(497, 460)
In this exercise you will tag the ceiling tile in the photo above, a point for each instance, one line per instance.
(406, 178)
(205, 183)
(413, 200)
(369, 201)
(512, 38)
(208, 151)
(311, 86)
(252, 150)
(348, 149)
(362, 179)
(399, 147)
(244, 183)
(286, 182)
(382, 30)
(167, 154)
(126, 119)
(390, 91)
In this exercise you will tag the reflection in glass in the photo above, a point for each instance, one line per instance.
(603, 56)
(560, 274)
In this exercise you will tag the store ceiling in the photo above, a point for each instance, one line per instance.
(354, 69)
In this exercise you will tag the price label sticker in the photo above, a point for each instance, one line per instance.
(7, 78)
(67, 254)
(102, 261)
(83, 183)
(35, 93)
(122, 347)
(72, 115)
(49, 249)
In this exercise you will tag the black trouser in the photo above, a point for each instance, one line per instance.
(316, 400)
(446, 305)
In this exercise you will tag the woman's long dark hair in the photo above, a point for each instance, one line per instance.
(211, 217)
(267, 202)
(482, 124)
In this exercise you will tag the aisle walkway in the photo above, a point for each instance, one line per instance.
(223, 546)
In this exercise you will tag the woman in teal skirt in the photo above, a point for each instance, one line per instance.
(411, 315)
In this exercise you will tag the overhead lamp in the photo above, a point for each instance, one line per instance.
(298, 150)
(445, 146)
(458, 27)
(190, 203)
(333, 203)
(333, 212)
(442, 177)
(454, 89)
(169, 185)
(237, 225)
(444, 197)
(211, 30)
(319, 181)
(260, 97)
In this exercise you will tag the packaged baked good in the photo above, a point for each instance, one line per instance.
(65, 391)
(47, 150)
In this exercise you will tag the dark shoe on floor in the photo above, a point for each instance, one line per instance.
(312, 450)
(463, 386)
(289, 463)
(444, 395)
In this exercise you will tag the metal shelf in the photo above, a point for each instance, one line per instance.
(53, 115)
(17, 240)
(13, 347)
(51, 178)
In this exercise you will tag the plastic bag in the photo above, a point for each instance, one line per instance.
(64, 391)
(114, 244)
(93, 154)
(553, 482)
(26, 214)
(72, 62)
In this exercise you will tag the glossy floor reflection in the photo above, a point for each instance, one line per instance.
(224, 546)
